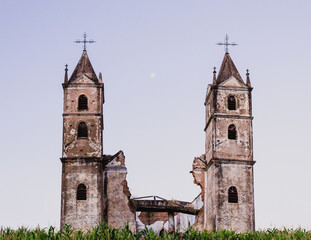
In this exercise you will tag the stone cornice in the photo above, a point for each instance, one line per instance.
(244, 89)
(82, 85)
(81, 159)
(229, 161)
(224, 115)
(82, 114)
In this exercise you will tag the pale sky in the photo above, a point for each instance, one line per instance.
(157, 58)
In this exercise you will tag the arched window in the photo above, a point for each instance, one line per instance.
(231, 132)
(232, 195)
(231, 103)
(82, 130)
(81, 192)
(82, 103)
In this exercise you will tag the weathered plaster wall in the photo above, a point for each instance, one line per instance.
(82, 147)
(82, 157)
(222, 214)
(218, 119)
(210, 140)
(81, 214)
(118, 209)
(227, 162)
(242, 101)
(240, 148)
(92, 92)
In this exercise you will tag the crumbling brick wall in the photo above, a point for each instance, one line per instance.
(118, 210)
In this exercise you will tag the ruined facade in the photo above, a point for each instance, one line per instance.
(94, 186)
(86, 173)
(225, 171)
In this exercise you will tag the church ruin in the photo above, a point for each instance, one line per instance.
(94, 187)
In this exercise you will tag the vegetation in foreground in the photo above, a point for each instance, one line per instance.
(105, 232)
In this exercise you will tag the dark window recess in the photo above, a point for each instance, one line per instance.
(82, 103)
(231, 103)
(82, 130)
(231, 132)
(81, 192)
(233, 195)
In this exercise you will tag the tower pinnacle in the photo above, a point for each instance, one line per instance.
(248, 81)
(214, 76)
(66, 74)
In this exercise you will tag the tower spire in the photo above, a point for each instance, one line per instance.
(227, 70)
(84, 67)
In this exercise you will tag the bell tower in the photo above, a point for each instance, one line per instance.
(229, 150)
(225, 171)
(82, 151)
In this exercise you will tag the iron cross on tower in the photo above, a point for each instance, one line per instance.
(84, 41)
(226, 43)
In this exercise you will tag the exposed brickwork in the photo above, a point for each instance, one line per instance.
(149, 218)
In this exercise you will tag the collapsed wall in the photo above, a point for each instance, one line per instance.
(118, 209)
(159, 221)
(199, 175)
(165, 215)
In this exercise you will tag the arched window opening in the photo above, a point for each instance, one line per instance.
(231, 103)
(231, 132)
(82, 103)
(232, 195)
(81, 192)
(82, 130)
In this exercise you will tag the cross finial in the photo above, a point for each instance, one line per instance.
(226, 43)
(84, 41)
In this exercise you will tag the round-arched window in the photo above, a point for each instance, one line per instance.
(231, 103)
(232, 195)
(231, 132)
(81, 192)
(82, 130)
(82, 102)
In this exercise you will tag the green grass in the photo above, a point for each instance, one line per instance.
(105, 232)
